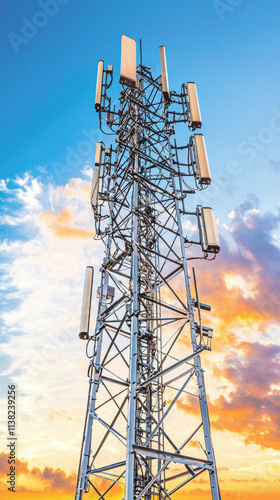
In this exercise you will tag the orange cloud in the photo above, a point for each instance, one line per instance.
(54, 484)
(74, 189)
(242, 283)
(22, 467)
(62, 224)
(55, 479)
(49, 480)
(252, 409)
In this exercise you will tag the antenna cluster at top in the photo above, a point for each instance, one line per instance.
(189, 99)
(178, 107)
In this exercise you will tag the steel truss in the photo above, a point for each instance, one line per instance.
(145, 351)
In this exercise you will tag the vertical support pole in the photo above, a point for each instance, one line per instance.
(129, 478)
(215, 489)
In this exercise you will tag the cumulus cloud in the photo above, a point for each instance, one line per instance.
(55, 479)
(20, 199)
(48, 479)
(21, 466)
(62, 224)
(45, 270)
(41, 284)
(252, 408)
(3, 185)
(242, 284)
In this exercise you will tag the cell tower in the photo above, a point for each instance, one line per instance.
(145, 352)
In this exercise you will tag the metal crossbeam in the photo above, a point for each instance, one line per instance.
(172, 457)
(169, 369)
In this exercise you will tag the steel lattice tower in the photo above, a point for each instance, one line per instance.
(148, 339)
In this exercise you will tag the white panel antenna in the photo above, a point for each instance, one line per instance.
(86, 304)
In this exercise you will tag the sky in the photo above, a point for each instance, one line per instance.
(49, 128)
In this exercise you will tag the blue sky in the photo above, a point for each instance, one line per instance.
(231, 50)
(48, 86)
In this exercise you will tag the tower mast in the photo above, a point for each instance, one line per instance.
(145, 353)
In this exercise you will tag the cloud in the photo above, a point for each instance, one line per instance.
(55, 479)
(62, 224)
(75, 189)
(21, 198)
(30, 193)
(3, 185)
(41, 285)
(11, 220)
(242, 284)
(46, 269)
(21, 466)
(69, 221)
(48, 478)
(252, 408)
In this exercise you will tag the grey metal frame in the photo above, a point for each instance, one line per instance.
(128, 438)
